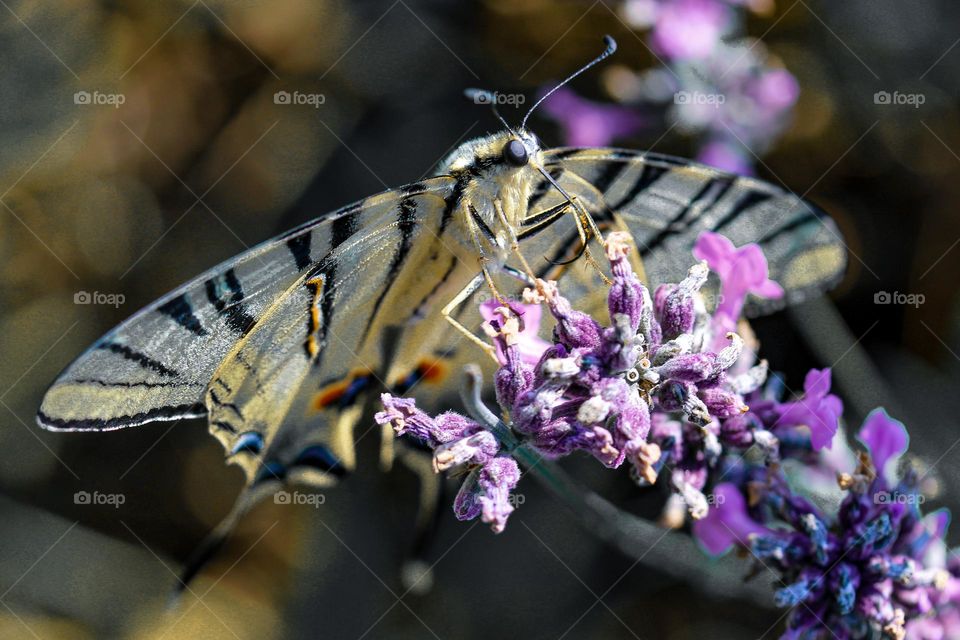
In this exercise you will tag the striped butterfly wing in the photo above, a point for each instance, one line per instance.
(666, 202)
(157, 364)
(284, 402)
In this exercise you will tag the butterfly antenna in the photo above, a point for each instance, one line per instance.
(482, 96)
(611, 48)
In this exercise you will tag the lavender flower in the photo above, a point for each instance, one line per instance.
(861, 572)
(591, 124)
(742, 271)
(666, 386)
(458, 441)
(646, 388)
(531, 345)
(690, 29)
(714, 83)
(818, 410)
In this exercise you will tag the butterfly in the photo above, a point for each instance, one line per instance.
(282, 347)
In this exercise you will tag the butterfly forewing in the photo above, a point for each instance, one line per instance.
(157, 364)
(667, 202)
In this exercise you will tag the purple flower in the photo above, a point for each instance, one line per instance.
(591, 124)
(402, 414)
(741, 271)
(531, 346)
(486, 493)
(727, 156)
(885, 437)
(690, 29)
(818, 409)
(727, 523)
(866, 570)
(775, 89)
(460, 442)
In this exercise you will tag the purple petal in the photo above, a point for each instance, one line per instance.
(776, 89)
(626, 293)
(466, 506)
(728, 522)
(722, 403)
(530, 346)
(726, 156)
(717, 250)
(885, 437)
(402, 414)
(768, 289)
(817, 383)
(588, 123)
(477, 448)
(497, 479)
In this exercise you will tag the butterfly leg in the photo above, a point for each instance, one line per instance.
(466, 292)
(588, 230)
(586, 227)
(514, 241)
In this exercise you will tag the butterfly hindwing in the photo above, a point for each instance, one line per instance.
(285, 400)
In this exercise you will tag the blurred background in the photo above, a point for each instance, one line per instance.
(142, 142)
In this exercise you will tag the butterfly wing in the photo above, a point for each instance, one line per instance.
(666, 202)
(157, 364)
(285, 400)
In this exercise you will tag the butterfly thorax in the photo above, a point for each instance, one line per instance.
(492, 176)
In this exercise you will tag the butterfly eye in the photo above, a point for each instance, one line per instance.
(632, 376)
(515, 153)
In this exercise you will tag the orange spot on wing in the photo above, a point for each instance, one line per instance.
(432, 370)
(332, 393)
(329, 395)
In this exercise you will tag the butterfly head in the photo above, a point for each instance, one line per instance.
(496, 171)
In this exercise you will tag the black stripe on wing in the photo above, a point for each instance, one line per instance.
(195, 410)
(226, 295)
(141, 359)
(180, 309)
(709, 195)
(407, 223)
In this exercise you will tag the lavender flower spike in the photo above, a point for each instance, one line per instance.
(403, 415)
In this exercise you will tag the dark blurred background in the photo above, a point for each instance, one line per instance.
(141, 142)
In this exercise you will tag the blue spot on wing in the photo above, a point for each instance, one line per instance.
(249, 441)
(319, 457)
